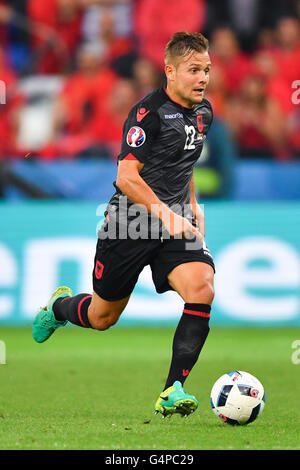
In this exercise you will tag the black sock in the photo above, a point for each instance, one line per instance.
(74, 309)
(189, 338)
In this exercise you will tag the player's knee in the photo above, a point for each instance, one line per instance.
(103, 323)
(201, 291)
(210, 291)
(102, 320)
(207, 290)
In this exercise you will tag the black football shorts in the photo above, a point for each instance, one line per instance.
(119, 262)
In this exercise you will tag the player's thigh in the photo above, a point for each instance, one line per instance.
(105, 313)
(194, 281)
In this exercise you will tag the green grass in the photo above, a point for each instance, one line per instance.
(85, 389)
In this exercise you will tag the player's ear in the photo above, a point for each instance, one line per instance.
(170, 71)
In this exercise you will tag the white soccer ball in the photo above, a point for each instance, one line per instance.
(237, 397)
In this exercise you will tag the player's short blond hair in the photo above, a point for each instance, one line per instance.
(183, 43)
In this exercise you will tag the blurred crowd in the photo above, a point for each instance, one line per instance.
(72, 69)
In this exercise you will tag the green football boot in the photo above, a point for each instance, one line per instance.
(175, 400)
(45, 322)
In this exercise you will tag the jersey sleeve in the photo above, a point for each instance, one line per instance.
(139, 131)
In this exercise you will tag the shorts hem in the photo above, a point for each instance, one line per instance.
(166, 286)
(111, 298)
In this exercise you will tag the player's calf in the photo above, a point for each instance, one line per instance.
(73, 309)
(104, 313)
(188, 341)
(89, 311)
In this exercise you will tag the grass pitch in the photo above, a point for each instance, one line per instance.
(84, 389)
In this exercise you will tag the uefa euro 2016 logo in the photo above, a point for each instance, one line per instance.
(136, 136)
(2, 92)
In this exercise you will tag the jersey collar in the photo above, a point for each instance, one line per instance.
(182, 108)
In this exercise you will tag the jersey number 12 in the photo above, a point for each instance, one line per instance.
(190, 137)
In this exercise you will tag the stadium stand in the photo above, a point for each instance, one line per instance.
(71, 70)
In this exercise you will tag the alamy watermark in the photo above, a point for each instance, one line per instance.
(295, 358)
(126, 220)
(2, 352)
(296, 93)
(2, 92)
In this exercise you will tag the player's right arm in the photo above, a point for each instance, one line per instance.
(138, 191)
(140, 131)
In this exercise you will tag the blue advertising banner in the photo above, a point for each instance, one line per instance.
(256, 248)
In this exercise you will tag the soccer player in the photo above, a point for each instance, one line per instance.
(162, 139)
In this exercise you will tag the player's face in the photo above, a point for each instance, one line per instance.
(189, 78)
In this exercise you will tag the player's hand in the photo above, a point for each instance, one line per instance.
(198, 217)
(180, 226)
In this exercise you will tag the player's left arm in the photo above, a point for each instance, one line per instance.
(196, 209)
